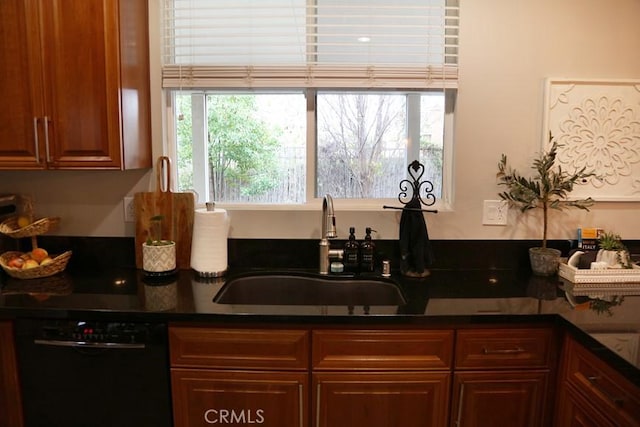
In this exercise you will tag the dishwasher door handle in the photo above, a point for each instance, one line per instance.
(88, 344)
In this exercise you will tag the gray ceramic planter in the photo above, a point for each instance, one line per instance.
(544, 261)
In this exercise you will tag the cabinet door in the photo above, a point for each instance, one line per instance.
(606, 390)
(82, 80)
(380, 399)
(74, 75)
(20, 85)
(271, 399)
(10, 403)
(573, 410)
(499, 399)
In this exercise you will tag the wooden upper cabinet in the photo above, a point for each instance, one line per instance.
(20, 84)
(78, 80)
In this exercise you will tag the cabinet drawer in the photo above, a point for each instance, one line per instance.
(503, 348)
(601, 385)
(239, 348)
(382, 350)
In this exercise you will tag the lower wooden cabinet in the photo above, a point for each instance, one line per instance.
(499, 399)
(591, 393)
(240, 377)
(381, 378)
(381, 399)
(576, 411)
(502, 377)
(10, 402)
(271, 399)
(342, 377)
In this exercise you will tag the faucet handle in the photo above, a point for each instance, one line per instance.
(329, 218)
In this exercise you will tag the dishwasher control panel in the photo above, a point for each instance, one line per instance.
(95, 331)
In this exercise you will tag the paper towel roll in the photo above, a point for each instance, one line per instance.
(209, 242)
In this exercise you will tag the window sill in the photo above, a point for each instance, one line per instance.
(344, 205)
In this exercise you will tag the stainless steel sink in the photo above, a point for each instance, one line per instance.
(309, 289)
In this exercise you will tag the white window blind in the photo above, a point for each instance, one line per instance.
(310, 43)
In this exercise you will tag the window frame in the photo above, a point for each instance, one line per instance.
(443, 203)
(314, 76)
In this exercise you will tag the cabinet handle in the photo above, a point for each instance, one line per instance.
(35, 138)
(318, 405)
(300, 405)
(46, 138)
(516, 350)
(460, 404)
(593, 380)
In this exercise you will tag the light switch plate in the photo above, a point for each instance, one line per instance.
(494, 212)
(129, 210)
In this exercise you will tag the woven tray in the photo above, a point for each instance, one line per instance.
(36, 228)
(610, 275)
(59, 264)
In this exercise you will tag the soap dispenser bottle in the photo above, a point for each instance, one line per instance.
(351, 252)
(367, 249)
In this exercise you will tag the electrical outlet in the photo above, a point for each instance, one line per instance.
(129, 209)
(494, 212)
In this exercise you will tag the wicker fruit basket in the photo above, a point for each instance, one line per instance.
(36, 228)
(58, 265)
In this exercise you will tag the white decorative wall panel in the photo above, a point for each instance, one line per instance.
(597, 123)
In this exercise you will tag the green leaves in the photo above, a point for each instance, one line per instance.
(549, 188)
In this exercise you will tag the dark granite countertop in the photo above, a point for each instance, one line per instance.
(607, 324)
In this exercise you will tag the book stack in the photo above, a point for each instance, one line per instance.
(588, 238)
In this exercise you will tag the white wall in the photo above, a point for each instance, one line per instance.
(507, 49)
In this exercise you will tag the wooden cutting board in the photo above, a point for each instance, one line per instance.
(176, 209)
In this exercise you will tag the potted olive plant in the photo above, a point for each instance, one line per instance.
(158, 254)
(549, 188)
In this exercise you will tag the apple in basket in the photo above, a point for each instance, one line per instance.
(16, 262)
(23, 221)
(35, 258)
(47, 260)
(39, 255)
(30, 263)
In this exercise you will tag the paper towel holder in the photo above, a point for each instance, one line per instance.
(209, 274)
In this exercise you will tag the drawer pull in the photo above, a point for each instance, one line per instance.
(35, 137)
(318, 406)
(516, 350)
(460, 408)
(593, 380)
(300, 404)
(46, 139)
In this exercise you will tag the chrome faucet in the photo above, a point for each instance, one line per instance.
(328, 232)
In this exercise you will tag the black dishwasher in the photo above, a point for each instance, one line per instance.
(93, 373)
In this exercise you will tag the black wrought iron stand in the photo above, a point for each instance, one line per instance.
(415, 250)
(416, 170)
